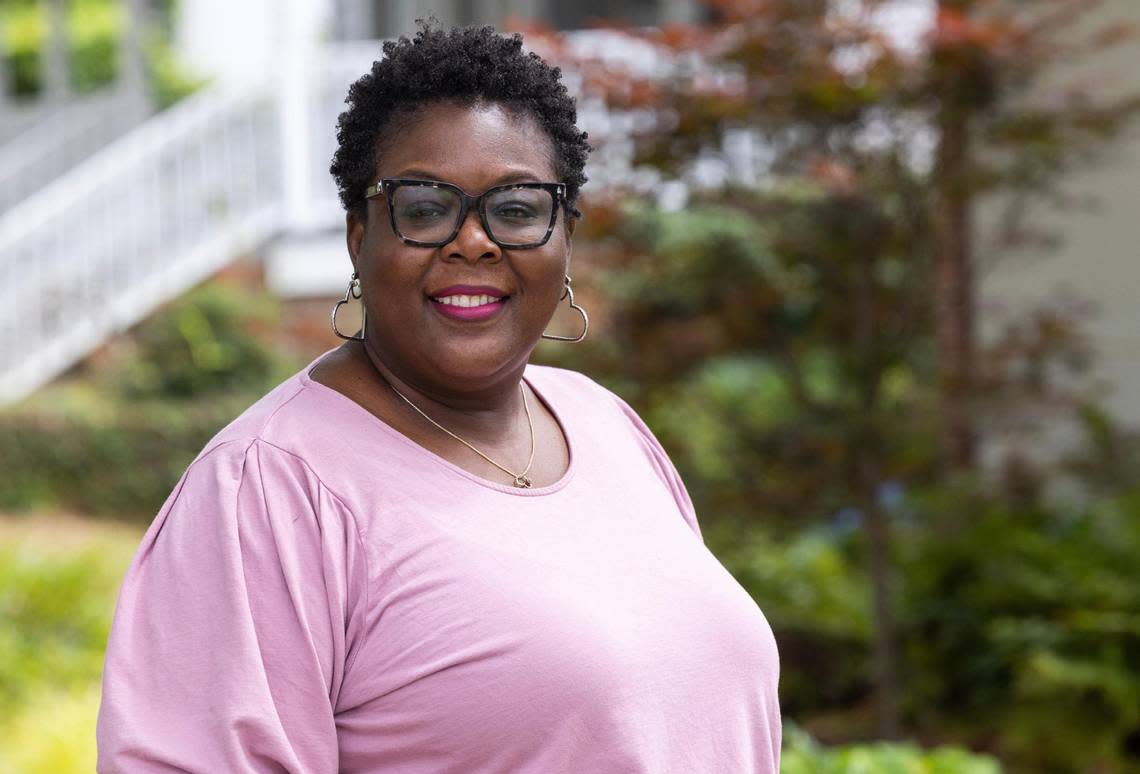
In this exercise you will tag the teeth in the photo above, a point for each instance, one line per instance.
(466, 300)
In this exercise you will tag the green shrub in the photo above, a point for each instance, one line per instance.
(94, 30)
(210, 342)
(1026, 620)
(55, 614)
(123, 468)
(802, 755)
(52, 734)
(57, 595)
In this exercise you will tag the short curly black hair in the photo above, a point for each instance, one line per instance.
(464, 64)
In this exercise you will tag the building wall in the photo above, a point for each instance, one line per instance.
(237, 41)
(1099, 256)
(389, 18)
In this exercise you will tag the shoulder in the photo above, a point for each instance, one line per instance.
(298, 422)
(248, 497)
(260, 421)
(575, 388)
(586, 396)
(247, 475)
(256, 483)
(561, 377)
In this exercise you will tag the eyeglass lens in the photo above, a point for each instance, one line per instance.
(514, 215)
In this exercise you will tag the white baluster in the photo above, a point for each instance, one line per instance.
(55, 54)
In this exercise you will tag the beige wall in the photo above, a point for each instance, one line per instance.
(1100, 255)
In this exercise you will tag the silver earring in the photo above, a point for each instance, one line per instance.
(352, 292)
(585, 319)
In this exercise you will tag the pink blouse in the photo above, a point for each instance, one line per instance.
(321, 594)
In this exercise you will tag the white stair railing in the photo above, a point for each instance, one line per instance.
(133, 226)
(16, 116)
(60, 138)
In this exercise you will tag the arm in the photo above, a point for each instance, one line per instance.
(235, 623)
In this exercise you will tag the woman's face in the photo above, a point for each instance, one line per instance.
(412, 294)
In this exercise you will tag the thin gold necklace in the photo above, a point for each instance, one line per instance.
(520, 479)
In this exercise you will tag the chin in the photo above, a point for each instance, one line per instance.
(476, 362)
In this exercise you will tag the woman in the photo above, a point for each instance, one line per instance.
(421, 554)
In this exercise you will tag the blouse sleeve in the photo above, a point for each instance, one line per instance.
(235, 623)
(663, 465)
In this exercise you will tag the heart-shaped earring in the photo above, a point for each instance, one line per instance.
(353, 292)
(568, 292)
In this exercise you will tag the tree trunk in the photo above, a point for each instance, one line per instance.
(954, 287)
(867, 481)
(885, 650)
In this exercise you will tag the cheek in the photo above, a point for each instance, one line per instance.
(547, 279)
(388, 265)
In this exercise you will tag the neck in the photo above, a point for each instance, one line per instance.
(489, 411)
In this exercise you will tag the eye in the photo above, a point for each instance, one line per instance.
(515, 210)
(422, 210)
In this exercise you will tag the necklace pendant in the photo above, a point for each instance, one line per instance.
(522, 482)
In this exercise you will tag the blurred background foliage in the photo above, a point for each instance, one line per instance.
(112, 441)
(934, 570)
(58, 581)
(93, 34)
(803, 755)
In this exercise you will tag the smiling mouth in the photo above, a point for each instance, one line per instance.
(468, 308)
(468, 302)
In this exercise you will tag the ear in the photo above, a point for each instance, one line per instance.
(354, 236)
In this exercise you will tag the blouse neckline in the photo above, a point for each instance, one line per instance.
(560, 417)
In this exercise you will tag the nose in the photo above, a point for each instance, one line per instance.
(472, 244)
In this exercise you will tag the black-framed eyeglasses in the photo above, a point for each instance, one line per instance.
(428, 213)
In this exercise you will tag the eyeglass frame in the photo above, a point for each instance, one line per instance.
(385, 187)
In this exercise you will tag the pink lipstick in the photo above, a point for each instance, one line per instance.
(468, 302)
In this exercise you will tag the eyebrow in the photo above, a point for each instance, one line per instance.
(519, 176)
